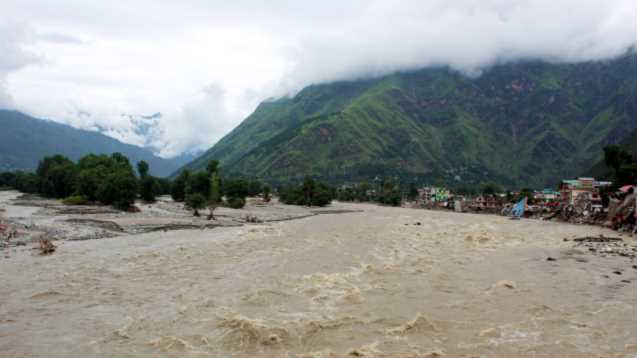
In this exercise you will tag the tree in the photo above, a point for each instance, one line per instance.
(118, 188)
(178, 191)
(308, 190)
(7, 180)
(215, 195)
(292, 195)
(413, 191)
(148, 189)
(254, 188)
(200, 183)
(212, 167)
(87, 182)
(27, 182)
(57, 176)
(165, 186)
(142, 169)
(390, 195)
(267, 193)
(320, 195)
(236, 191)
(491, 188)
(195, 201)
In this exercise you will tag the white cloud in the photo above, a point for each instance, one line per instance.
(14, 38)
(205, 65)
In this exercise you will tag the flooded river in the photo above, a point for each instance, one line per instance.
(384, 282)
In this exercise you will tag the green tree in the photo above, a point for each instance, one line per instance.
(390, 194)
(27, 182)
(254, 188)
(308, 190)
(178, 191)
(87, 182)
(142, 169)
(165, 186)
(195, 201)
(267, 193)
(214, 200)
(148, 189)
(292, 195)
(7, 180)
(149, 186)
(236, 191)
(212, 167)
(200, 183)
(119, 189)
(413, 191)
(491, 188)
(57, 176)
(321, 194)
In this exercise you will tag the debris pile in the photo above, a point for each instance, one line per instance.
(45, 246)
(252, 219)
(607, 246)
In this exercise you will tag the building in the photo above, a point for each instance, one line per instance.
(546, 195)
(571, 190)
(486, 202)
(431, 194)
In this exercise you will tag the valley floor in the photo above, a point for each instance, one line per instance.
(356, 280)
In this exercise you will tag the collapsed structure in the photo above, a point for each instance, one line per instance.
(583, 200)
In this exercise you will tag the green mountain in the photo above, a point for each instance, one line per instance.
(24, 140)
(527, 123)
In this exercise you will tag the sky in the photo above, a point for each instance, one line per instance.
(205, 65)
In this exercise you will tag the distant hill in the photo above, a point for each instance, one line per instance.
(24, 140)
(519, 124)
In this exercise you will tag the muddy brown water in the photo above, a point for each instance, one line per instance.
(370, 284)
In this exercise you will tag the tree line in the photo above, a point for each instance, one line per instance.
(207, 188)
(112, 180)
(104, 179)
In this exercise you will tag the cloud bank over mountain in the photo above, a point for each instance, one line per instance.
(206, 65)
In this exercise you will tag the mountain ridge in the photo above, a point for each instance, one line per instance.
(24, 140)
(526, 123)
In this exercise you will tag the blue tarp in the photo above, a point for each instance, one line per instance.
(518, 209)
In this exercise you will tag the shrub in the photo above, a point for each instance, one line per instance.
(292, 195)
(75, 200)
(236, 202)
(309, 193)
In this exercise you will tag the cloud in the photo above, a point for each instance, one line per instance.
(467, 35)
(206, 65)
(59, 38)
(13, 39)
